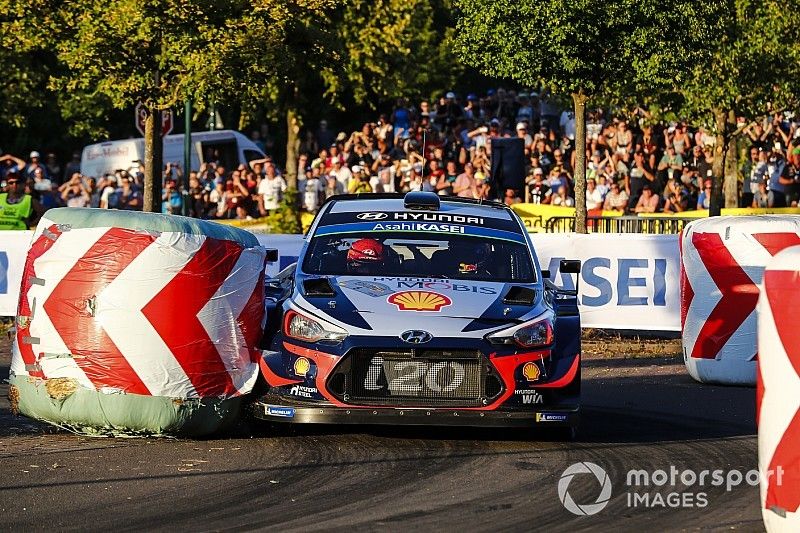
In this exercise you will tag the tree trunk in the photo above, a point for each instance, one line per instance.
(731, 182)
(292, 146)
(718, 168)
(579, 100)
(153, 157)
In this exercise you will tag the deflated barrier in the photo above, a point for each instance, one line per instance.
(722, 262)
(137, 323)
(778, 393)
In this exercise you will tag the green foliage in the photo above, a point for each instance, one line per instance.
(21, 79)
(201, 49)
(584, 46)
(393, 48)
(753, 65)
(85, 58)
(286, 219)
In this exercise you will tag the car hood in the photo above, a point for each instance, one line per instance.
(390, 305)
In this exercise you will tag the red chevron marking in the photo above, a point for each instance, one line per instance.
(783, 289)
(42, 244)
(775, 242)
(69, 309)
(739, 295)
(173, 314)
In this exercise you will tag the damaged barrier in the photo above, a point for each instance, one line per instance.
(137, 323)
(722, 263)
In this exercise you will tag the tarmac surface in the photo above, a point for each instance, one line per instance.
(640, 413)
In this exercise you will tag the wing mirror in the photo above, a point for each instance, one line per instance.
(570, 266)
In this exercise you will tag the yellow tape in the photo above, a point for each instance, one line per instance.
(732, 211)
(261, 223)
(535, 216)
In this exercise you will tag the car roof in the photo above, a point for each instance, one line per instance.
(359, 203)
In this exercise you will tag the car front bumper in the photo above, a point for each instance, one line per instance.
(276, 408)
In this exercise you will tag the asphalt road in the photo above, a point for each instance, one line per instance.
(643, 414)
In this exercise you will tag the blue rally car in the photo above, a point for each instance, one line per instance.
(420, 309)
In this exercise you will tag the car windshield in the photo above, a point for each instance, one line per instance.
(419, 255)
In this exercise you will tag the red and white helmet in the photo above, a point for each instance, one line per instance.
(367, 250)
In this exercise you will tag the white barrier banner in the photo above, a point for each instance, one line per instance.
(13, 250)
(627, 281)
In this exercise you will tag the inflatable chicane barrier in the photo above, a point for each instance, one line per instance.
(778, 392)
(722, 262)
(137, 323)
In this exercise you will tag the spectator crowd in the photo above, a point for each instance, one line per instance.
(446, 147)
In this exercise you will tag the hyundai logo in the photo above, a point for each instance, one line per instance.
(372, 216)
(416, 336)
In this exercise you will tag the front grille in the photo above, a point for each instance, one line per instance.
(413, 378)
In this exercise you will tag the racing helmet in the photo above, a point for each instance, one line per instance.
(365, 256)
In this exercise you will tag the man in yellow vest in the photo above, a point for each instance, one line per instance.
(359, 183)
(18, 210)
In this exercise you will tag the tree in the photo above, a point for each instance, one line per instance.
(583, 48)
(753, 69)
(161, 52)
(23, 84)
(393, 48)
(375, 51)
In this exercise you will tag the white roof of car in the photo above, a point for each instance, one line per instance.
(397, 204)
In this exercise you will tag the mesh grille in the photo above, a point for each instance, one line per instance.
(425, 378)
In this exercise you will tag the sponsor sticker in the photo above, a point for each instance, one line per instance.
(279, 411)
(370, 288)
(422, 217)
(531, 371)
(435, 284)
(302, 391)
(466, 268)
(415, 378)
(438, 217)
(419, 226)
(301, 366)
(372, 216)
(530, 396)
(551, 417)
(419, 301)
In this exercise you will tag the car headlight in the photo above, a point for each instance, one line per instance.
(527, 335)
(301, 327)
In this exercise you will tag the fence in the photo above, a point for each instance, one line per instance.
(620, 224)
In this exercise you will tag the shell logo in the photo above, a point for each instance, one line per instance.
(301, 366)
(530, 371)
(419, 300)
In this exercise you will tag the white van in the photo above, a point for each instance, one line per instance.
(231, 148)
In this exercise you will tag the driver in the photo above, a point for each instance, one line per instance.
(366, 256)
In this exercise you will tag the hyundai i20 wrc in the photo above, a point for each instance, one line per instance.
(419, 309)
